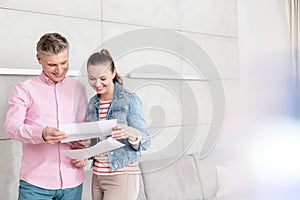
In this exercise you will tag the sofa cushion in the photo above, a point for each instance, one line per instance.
(166, 179)
(220, 184)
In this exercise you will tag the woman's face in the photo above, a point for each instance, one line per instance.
(101, 79)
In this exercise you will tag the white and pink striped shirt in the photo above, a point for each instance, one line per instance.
(101, 164)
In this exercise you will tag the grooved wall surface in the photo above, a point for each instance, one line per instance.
(179, 112)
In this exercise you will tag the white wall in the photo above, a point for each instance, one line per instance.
(267, 115)
(265, 91)
(265, 65)
(210, 24)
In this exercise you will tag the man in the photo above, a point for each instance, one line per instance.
(35, 110)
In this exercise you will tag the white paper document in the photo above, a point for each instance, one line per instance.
(87, 130)
(101, 147)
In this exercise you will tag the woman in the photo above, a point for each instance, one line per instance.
(116, 173)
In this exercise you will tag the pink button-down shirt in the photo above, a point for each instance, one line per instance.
(33, 105)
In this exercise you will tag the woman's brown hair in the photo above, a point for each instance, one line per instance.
(104, 58)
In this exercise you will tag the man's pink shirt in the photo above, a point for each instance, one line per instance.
(34, 105)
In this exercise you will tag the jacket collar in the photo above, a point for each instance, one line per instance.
(118, 93)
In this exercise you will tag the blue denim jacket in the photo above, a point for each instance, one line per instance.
(126, 107)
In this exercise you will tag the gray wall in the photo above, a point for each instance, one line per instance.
(211, 24)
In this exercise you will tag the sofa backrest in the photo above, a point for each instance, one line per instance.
(175, 179)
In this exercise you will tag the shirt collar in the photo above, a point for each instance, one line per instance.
(48, 81)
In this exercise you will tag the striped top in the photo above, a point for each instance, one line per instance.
(101, 162)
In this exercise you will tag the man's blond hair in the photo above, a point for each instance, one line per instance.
(52, 44)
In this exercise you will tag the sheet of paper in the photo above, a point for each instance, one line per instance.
(101, 147)
(87, 130)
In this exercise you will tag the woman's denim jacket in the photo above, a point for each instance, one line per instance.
(126, 107)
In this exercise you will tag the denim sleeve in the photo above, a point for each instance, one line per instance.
(135, 119)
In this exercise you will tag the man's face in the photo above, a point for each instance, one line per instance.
(55, 67)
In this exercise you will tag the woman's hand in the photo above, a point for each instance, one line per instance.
(80, 163)
(80, 144)
(122, 131)
(118, 132)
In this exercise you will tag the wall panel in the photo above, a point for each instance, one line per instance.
(74, 8)
(20, 31)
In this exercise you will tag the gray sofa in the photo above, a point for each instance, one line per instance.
(170, 179)
(184, 178)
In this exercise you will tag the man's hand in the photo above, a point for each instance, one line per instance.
(80, 163)
(53, 136)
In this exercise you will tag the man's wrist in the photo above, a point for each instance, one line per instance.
(44, 132)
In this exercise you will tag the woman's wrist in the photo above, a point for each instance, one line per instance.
(133, 138)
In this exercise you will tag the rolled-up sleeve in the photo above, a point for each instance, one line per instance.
(15, 126)
(136, 120)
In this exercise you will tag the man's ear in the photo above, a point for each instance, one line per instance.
(38, 58)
